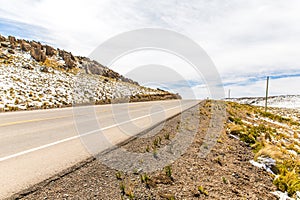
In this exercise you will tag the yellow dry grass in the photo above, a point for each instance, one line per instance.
(270, 151)
(275, 146)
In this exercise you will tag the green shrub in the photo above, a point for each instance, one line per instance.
(237, 121)
(168, 171)
(167, 136)
(156, 142)
(147, 148)
(289, 176)
(202, 191)
(122, 188)
(224, 180)
(119, 175)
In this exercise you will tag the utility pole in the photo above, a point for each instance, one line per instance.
(267, 93)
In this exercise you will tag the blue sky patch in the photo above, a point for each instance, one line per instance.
(23, 30)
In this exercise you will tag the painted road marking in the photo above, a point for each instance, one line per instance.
(32, 120)
(82, 135)
(40, 119)
(51, 118)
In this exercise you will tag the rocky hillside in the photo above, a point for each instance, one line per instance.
(57, 57)
(36, 76)
(284, 101)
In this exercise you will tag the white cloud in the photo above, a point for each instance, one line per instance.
(178, 68)
(276, 87)
(242, 37)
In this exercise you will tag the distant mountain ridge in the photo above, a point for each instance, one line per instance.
(282, 101)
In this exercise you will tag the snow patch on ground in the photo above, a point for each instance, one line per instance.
(284, 101)
(264, 163)
(283, 195)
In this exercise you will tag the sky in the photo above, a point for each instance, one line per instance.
(246, 40)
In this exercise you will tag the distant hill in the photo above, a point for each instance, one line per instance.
(36, 76)
(283, 101)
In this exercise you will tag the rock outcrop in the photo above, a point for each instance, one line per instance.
(50, 51)
(38, 54)
(25, 46)
(12, 40)
(2, 38)
(68, 58)
(5, 44)
(36, 45)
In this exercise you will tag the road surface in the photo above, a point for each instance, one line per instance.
(35, 145)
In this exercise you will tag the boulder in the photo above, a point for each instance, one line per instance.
(3, 56)
(12, 39)
(28, 66)
(36, 45)
(92, 68)
(112, 74)
(50, 51)
(2, 38)
(11, 51)
(38, 54)
(44, 69)
(68, 58)
(69, 62)
(25, 46)
(5, 44)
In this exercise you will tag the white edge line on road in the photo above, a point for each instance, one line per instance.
(78, 136)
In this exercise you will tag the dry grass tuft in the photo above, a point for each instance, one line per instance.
(270, 151)
(268, 140)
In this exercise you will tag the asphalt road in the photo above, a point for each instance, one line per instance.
(35, 145)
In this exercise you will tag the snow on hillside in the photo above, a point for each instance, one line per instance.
(24, 88)
(284, 101)
(36, 78)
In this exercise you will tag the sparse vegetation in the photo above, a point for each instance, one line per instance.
(126, 189)
(279, 118)
(157, 142)
(237, 121)
(202, 190)
(167, 136)
(119, 175)
(168, 170)
(144, 178)
(147, 148)
(147, 181)
(122, 188)
(261, 138)
(178, 125)
(224, 180)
